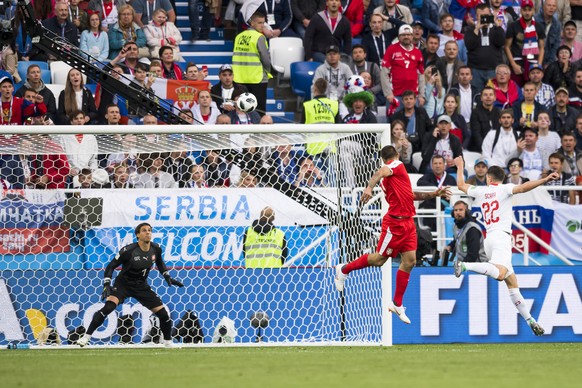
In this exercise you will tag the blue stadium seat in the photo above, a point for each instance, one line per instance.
(92, 88)
(302, 78)
(45, 75)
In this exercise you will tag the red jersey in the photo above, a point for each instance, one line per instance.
(398, 191)
(404, 65)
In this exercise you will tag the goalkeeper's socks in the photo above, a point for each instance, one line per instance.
(359, 263)
(519, 303)
(402, 278)
(165, 324)
(483, 268)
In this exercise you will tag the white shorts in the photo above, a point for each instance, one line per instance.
(498, 249)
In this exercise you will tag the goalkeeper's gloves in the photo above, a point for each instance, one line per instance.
(106, 289)
(172, 282)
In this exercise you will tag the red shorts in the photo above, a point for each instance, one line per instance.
(398, 235)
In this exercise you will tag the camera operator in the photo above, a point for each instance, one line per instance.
(468, 238)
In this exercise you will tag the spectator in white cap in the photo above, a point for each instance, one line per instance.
(403, 68)
(222, 92)
(442, 143)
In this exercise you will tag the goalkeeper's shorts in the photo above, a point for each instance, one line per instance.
(140, 291)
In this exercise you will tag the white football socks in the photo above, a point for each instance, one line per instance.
(519, 303)
(483, 268)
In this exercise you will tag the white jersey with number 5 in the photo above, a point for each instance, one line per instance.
(496, 206)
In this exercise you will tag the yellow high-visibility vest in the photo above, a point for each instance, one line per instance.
(264, 250)
(320, 110)
(246, 60)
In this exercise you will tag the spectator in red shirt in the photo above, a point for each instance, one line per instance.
(403, 68)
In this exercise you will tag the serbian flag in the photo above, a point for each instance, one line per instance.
(31, 222)
(182, 94)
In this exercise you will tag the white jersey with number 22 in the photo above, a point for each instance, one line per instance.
(496, 205)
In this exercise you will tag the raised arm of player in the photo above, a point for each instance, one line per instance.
(439, 192)
(527, 186)
(382, 172)
(461, 185)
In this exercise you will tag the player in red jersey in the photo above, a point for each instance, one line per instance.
(402, 67)
(398, 229)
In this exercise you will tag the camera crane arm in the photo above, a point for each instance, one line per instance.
(64, 50)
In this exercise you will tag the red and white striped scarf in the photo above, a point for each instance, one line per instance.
(530, 38)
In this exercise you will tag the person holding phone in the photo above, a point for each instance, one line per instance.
(484, 46)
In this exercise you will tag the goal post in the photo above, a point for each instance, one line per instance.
(203, 189)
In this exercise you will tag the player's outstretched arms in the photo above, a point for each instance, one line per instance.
(382, 172)
(528, 186)
(172, 282)
(460, 164)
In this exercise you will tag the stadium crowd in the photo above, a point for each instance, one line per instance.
(497, 78)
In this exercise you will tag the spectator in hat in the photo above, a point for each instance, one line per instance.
(418, 35)
(376, 40)
(570, 32)
(403, 68)
(328, 27)
(515, 168)
(562, 115)
(501, 144)
(534, 160)
(222, 92)
(335, 72)
(15, 110)
(544, 93)
(560, 73)
(484, 45)
(480, 176)
(548, 20)
(442, 143)
(524, 43)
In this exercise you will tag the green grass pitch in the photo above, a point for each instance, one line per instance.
(459, 365)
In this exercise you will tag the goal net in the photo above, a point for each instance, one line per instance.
(71, 201)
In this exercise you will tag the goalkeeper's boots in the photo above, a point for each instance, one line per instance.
(340, 277)
(84, 340)
(535, 327)
(400, 311)
(169, 344)
(458, 265)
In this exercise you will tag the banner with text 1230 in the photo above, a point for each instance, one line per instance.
(30, 222)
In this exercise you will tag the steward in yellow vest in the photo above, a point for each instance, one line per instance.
(320, 110)
(264, 245)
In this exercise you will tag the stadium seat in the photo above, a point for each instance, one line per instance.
(284, 52)
(60, 71)
(302, 78)
(92, 88)
(417, 160)
(45, 75)
(56, 89)
(414, 179)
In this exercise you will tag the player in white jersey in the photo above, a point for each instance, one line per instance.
(496, 206)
